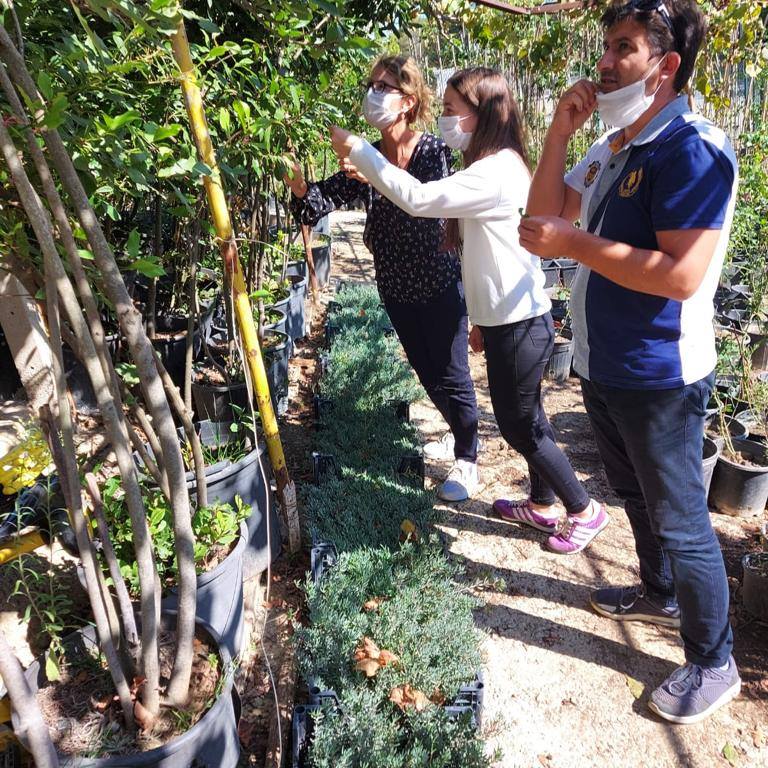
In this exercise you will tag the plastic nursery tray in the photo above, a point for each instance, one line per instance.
(323, 466)
(323, 556)
(469, 700)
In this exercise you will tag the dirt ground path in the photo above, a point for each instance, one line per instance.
(565, 687)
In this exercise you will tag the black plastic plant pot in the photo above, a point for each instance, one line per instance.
(738, 489)
(296, 317)
(324, 467)
(321, 406)
(754, 587)
(559, 309)
(411, 469)
(559, 365)
(715, 423)
(212, 742)
(215, 402)
(331, 329)
(172, 346)
(277, 352)
(78, 380)
(551, 272)
(281, 324)
(567, 269)
(333, 306)
(220, 597)
(321, 256)
(469, 700)
(323, 556)
(710, 455)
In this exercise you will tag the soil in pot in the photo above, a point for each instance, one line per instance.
(85, 720)
(740, 482)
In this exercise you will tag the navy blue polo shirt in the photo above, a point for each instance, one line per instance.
(680, 172)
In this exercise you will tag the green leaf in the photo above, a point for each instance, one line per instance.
(133, 244)
(52, 668)
(54, 115)
(224, 120)
(115, 123)
(148, 268)
(730, 754)
(85, 254)
(166, 132)
(45, 85)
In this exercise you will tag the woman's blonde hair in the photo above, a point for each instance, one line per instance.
(410, 81)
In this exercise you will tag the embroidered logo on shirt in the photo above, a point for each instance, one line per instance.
(630, 183)
(592, 171)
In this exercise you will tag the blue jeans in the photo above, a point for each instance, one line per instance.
(434, 336)
(651, 442)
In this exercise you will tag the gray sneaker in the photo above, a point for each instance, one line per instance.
(692, 693)
(632, 604)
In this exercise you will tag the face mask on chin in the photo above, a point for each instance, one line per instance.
(378, 108)
(622, 107)
(450, 130)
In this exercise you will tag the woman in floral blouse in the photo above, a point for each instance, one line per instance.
(418, 278)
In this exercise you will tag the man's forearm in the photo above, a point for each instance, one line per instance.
(547, 194)
(638, 269)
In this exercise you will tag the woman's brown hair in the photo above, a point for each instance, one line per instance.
(410, 81)
(499, 122)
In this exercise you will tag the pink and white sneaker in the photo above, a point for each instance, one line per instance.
(522, 512)
(576, 535)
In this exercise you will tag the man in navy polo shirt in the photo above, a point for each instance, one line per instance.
(654, 198)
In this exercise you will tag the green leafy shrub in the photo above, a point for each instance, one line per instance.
(367, 510)
(366, 733)
(420, 615)
(216, 528)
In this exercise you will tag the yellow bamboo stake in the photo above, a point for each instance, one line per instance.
(220, 213)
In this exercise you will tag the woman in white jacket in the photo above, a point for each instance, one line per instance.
(503, 284)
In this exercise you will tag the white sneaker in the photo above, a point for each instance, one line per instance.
(441, 449)
(461, 483)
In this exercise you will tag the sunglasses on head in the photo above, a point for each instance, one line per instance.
(647, 6)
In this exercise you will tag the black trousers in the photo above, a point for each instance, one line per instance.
(516, 355)
(434, 337)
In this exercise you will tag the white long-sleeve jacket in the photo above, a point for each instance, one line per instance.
(503, 283)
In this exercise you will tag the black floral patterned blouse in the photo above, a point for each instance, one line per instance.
(410, 266)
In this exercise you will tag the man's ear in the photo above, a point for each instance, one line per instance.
(670, 65)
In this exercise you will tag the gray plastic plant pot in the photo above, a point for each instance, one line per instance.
(296, 318)
(321, 256)
(212, 742)
(220, 597)
(754, 590)
(710, 455)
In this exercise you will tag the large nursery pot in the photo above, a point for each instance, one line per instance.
(249, 479)
(297, 268)
(754, 588)
(559, 365)
(172, 345)
(220, 597)
(215, 402)
(710, 455)
(277, 351)
(296, 316)
(212, 742)
(740, 489)
(321, 257)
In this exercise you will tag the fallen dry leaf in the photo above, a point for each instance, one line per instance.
(373, 604)
(636, 688)
(407, 697)
(369, 667)
(367, 650)
(408, 531)
(387, 657)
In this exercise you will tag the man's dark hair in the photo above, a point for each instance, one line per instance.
(671, 25)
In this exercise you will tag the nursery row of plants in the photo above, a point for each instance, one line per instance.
(390, 654)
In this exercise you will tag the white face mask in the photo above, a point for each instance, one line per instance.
(377, 108)
(452, 134)
(622, 107)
